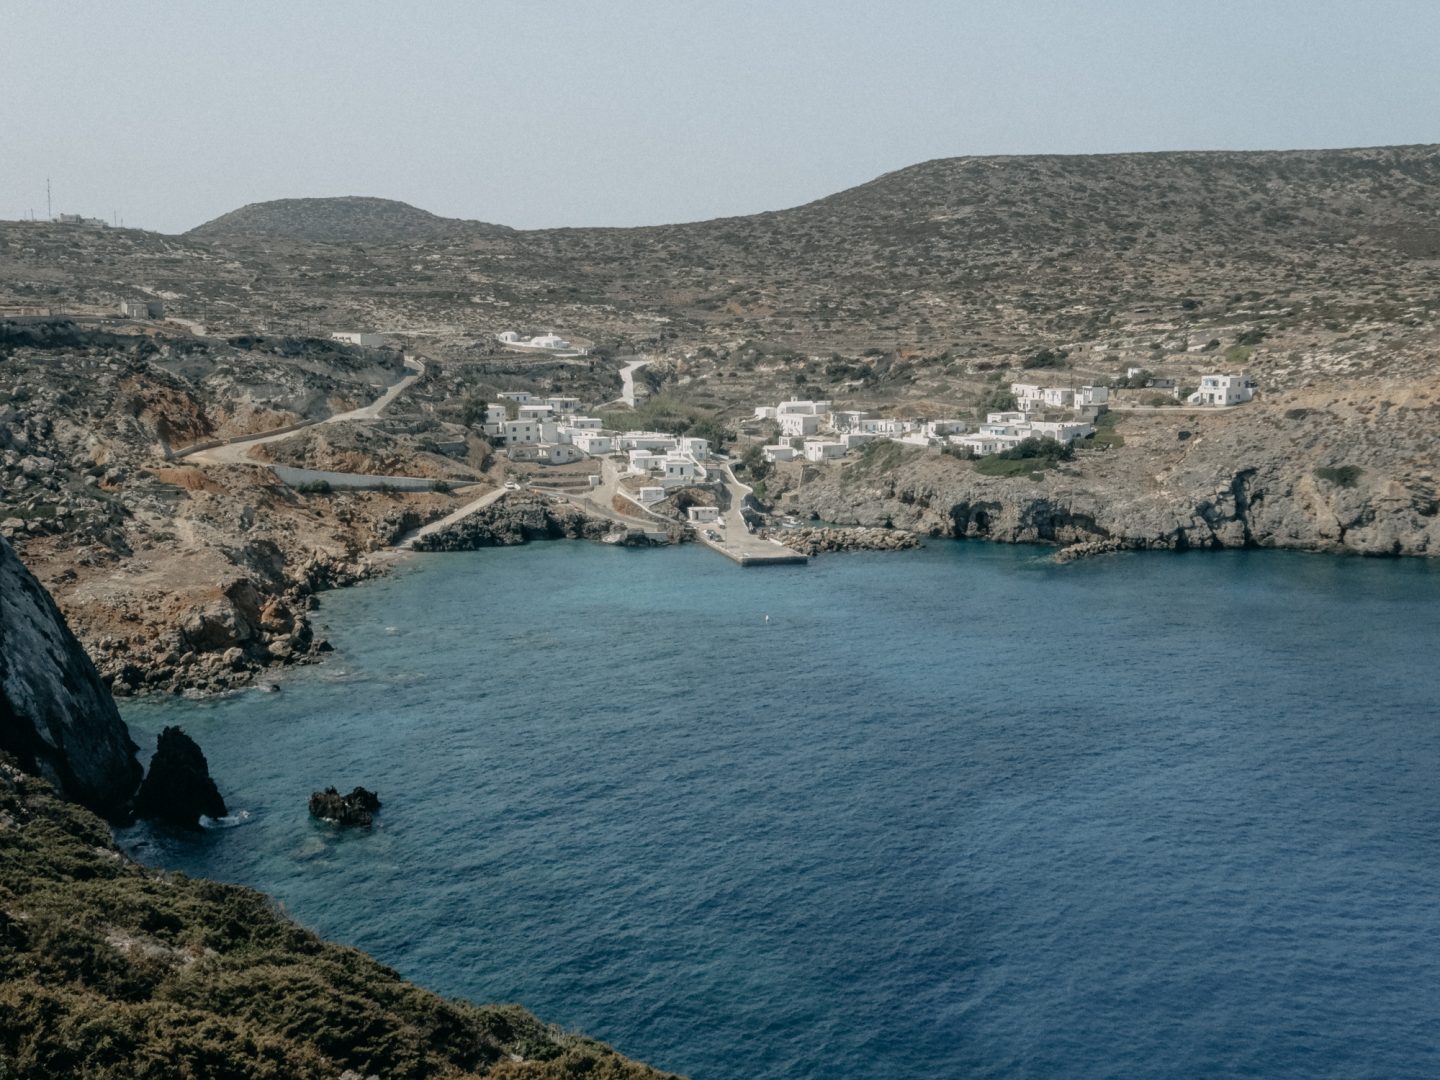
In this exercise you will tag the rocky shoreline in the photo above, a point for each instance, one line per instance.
(525, 518)
(819, 541)
(1268, 476)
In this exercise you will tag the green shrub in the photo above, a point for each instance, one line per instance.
(1046, 358)
(1345, 476)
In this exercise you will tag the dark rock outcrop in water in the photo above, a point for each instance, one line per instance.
(56, 717)
(178, 787)
(357, 808)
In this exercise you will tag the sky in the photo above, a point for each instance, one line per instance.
(542, 113)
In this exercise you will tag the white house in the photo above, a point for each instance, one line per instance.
(1092, 395)
(520, 397)
(823, 450)
(1057, 397)
(846, 419)
(765, 412)
(678, 471)
(1027, 395)
(797, 423)
(1222, 390)
(365, 340)
(802, 408)
(508, 337)
(1006, 418)
(780, 452)
(1065, 431)
(536, 410)
(592, 442)
(548, 341)
(648, 495)
(935, 429)
(564, 404)
(703, 515)
(983, 442)
(545, 453)
(885, 427)
(522, 432)
(852, 439)
(646, 461)
(584, 423)
(699, 449)
(645, 440)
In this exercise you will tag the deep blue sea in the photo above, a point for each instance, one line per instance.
(954, 812)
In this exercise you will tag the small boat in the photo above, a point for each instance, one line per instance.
(790, 522)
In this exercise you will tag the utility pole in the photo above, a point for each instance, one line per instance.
(49, 212)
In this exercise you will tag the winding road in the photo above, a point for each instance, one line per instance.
(236, 453)
(627, 380)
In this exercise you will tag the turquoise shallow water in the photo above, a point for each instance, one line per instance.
(949, 812)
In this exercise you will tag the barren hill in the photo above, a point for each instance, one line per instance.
(346, 219)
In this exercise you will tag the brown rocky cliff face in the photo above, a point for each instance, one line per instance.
(1254, 477)
(56, 717)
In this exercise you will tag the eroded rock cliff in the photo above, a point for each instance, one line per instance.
(56, 717)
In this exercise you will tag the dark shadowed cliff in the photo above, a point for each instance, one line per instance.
(56, 717)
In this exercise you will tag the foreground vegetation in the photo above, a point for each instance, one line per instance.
(110, 969)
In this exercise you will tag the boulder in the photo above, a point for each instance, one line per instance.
(357, 808)
(178, 788)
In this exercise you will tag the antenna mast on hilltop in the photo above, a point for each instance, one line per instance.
(49, 213)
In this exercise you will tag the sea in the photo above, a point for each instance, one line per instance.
(954, 812)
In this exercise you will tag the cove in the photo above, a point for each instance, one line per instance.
(949, 812)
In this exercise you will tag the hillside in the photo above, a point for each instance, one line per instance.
(349, 219)
(111, 969)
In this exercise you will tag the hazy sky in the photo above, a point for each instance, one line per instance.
(620, 112)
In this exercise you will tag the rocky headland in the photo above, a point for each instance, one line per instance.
(1321, 470)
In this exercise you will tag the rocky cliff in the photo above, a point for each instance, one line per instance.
(56, 717)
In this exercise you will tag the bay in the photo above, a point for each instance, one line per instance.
(949, 812)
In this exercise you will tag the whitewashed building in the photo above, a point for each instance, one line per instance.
(365, 339)
(520, 397)
(1222, 390)
(678, 471)
(802, 408)
(780, 452)
(520, 432)
(703, 515)
(799, 424)
(592, 442)
(695, 447)
(824, 450)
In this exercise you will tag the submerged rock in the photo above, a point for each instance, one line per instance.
(178, 788)
(357, 808)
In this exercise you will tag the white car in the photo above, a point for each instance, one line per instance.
(512, 485)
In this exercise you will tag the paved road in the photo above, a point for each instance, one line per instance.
(238, 453)
(736, 540)
(627, 380)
